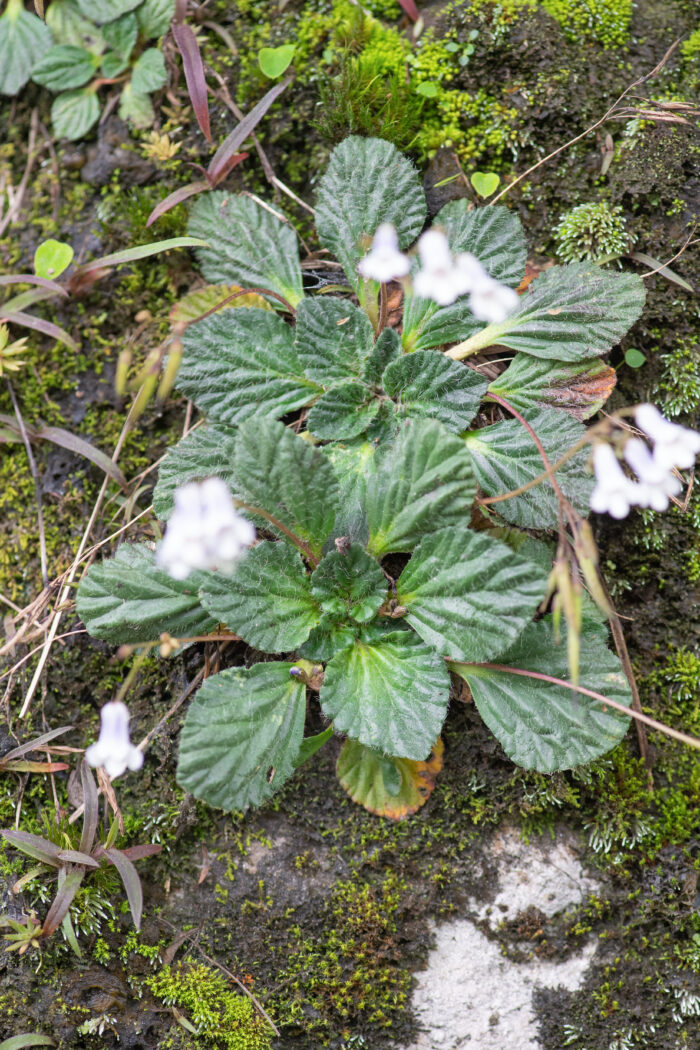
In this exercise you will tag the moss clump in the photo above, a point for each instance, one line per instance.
(224, 1019)
(680, 381)
(605, 21)
(360, 101)
(591, 231)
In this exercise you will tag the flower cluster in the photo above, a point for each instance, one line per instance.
(672, 446)
(442, 277)
(204, 531)
(113, 750)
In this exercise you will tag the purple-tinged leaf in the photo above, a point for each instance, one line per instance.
(38, 323)
(225, 168)
(659, 267)
(194, 75)
(240, 133)
(74, 856)
(132, 883)
(68, 886)
(177, 197)
(410, 8)
(148, 849)
(30, 278)
(34, 846)
(91, 812)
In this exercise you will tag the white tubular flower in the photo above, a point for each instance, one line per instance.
(674, 446)
(614, 493)
(384, 262)
(491, 301)
(658, 484)
(113, 750)
(204, 531)
(439, 278)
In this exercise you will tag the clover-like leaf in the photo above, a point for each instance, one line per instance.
(390, 693)
(423, 482)
(241, 738)
(580, 388)
(149, 72)
(568, 313)
(349, 584)
(333, 339)
(73, 113)
(247, 246)
(389, 787)
(505, 457)
(426, 384)
(127, 599)
(242, 363)
(267, 600)
(292, 482)
(542, 725)
(367, 182)
(468, 595)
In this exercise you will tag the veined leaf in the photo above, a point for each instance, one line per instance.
(426, 384)
(242, 363)
(344, 411)
(569, 313)
(367, 182)
(154, 17)
(386, 349)
(247, 245)
(73, 113)
(333, 339)
(505, 457)
(580, 388)
(328, 638)
(423, 482)
(390, 694)
(545, 726)
(268, 599)
(349, 585)
(148, 73)
(122, 34)
(24, 39)
(106, 10)
(136, 107)
(206, 452)
(242, 735)
(495, 236)
(311, 744)
(364, 772)
(64, 67)
(289, 479)
(468, 595)
(128, 599)
(68, 25)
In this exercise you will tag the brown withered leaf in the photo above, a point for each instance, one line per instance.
(390, 787)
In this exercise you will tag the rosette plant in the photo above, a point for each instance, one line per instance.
(371, 460)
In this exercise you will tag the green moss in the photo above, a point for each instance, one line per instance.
(680, 381)
(605, 21)
(591, 231)
(690, 48)
(224, 1019)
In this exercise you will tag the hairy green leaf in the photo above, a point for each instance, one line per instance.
(423, 482)
(468, 595)
(426, 384)
(505, 457)
(106, 10)
(580, 388)
(149, 73)
(541, 725)
(333, 339)
(73, 113)
(64, 67)
(247, 245)
(367, 182)
(242, 735)
(154, 17)
(127, 599)
(569, 313)
(242, 363)
(390, 694)
(289, 479)
(349, 584)
(344, 411)
(24, 39)
(267, 600)
(122, 34)
(136, 107)
(386, 349)
(206, 452)
(68, 25)
(328, 638)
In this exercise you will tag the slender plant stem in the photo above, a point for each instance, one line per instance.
(622, 651)
(691, 741)
(37, 486)
(296, 540)
(549, 472)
